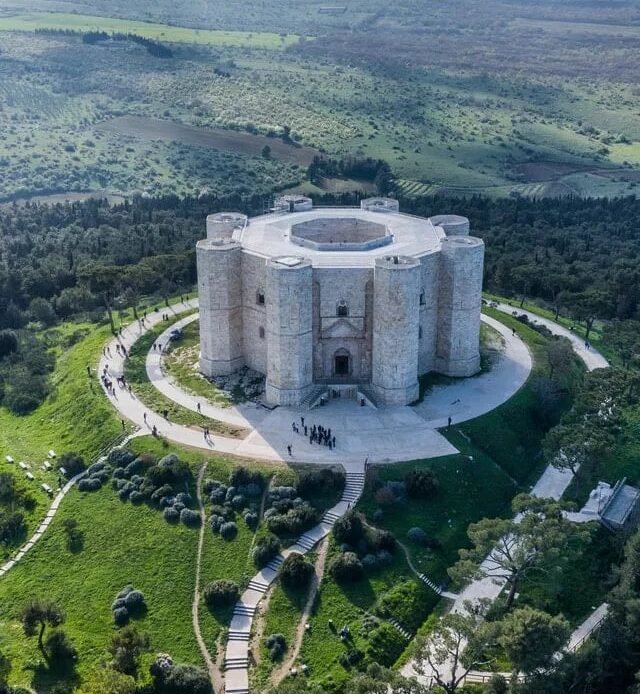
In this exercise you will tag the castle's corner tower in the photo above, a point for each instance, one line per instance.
(219, 264)
(289, 310)
(396, 295)
(460, 300)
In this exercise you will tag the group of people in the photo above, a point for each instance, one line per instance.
(316, 434)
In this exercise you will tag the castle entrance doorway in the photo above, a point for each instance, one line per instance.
(341, 365)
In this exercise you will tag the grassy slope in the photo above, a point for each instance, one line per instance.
(136, 375)
(123, 544)
(179, 360)
(161, 32)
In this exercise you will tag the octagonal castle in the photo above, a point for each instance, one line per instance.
(361, 300)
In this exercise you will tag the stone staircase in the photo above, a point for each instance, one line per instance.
(236, 662)
(312, 398)
(394, 623)
(427, 581)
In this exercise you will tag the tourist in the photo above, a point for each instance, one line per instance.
(449, 423)
(144, 416)
(154, 431)
(199, 408)
(289, 449)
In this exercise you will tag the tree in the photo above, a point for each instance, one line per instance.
(421, 484)
(349, 528)
(577, 444)
(588, 305)
(126, 647)
(458, 644)
(8, 343)
(109, 681)
(295, 571)
(559, 358)
(266, 152)
(221, 593)
(537, 540)
(73, 463)
(531, 637)
(42, 311)
(36, 615)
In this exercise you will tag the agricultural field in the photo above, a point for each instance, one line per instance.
(212, 118)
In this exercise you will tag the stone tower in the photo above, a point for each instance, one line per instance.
(219, 264)
(458, 341)
(396, 292)
(289, 330)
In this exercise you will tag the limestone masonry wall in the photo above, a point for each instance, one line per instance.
(332, 314)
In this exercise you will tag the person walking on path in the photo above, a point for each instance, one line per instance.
(449, 423)
(199, 408)
(289, 449)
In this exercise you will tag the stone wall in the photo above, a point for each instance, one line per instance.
(254, 281)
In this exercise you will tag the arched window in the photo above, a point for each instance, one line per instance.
(261, 332)
(423, 300)
(260, 297)
(342, 309)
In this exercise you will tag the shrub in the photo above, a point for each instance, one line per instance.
(134, 600)
(351, 658)
(277, 645)
(385, 496)
(184, 679)
(190, 518)
(125, 591)
(407, 601)
(218, 495)
(421, 484)
(349, 528)
(118, 473)
(295, 521)
(178, 506)
(251, 519)
(184, 498)
(254, 489)
(136, 497)
(121, 616)
(96, 467)
(295, 571)
(120, 457)
(382, 540)
(385, 645)
(60, 648)
(238, 502)
(221, 593)
(265, 550)
(346, 567)
(417, 535)
(378, 515)
(72, 462)
(123, 494)
(161, 492)
(168, 461)
(171, 515)
(89, 485)
(318, 481)
(228, 530)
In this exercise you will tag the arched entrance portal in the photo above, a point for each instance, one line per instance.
(341, 363)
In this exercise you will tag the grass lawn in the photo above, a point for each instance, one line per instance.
(181, 357)
(447, 516)
(512, 433)
(583, 585)
(285, 609)
(160, 32)
(136, 375)
(349, 604)
(123, 543)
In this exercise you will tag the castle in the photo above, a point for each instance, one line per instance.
(356, 301)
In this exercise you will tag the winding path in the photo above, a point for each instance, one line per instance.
(195, 605)
(393, 434)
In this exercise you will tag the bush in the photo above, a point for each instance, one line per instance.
(96, 467)
(296, 572)
(73, 464)
(60, 648)
(417, 535)
(184, 498)
(89, 485)
(385, 496)
(349, 528)
(171, 515)
(242, 476)
(378, 515)
(120, 616)
(228, 530)
(136, 497)
(190, 518)
(385, 645)
(409, 602)
(134, 600)
(118, 473)
(238, 502)
(123, 494)
(166, 490)
(319, 481)
(120, 457)
(184, 679)
(251, 519)
(221, 593)
(382, 540)
(265, 550)
(421, 484)
(346, 567)
(277, 645)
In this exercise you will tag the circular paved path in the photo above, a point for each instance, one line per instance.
(391, 434)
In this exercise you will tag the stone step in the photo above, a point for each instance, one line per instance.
(425, 579)
(242, 609)
(400, 628)
(237, 666)
(242, 690)
(258, 586)
(238, 636)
